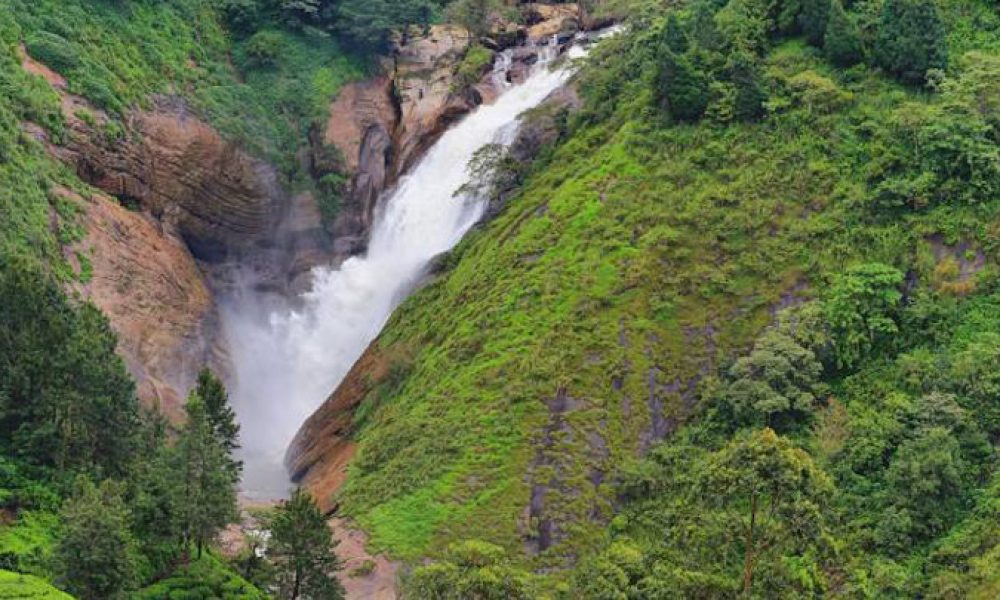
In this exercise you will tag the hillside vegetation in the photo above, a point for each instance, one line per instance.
(769, 240)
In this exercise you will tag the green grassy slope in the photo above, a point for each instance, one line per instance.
(16, 585)
(641, 257)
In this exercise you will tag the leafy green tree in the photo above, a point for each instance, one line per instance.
(842, 43)
(301, 548)
(94, 556)
(860, 306)
(471, 569)
(771, 499)
(776, 384)
(910, 39)
(925, 481)
(813, 19)
(681, 86)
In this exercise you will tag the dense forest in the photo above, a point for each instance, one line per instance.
(735, 332)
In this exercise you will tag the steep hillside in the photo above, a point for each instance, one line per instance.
(605, 309)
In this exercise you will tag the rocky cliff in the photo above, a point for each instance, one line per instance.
(381, 126)
(174, 193)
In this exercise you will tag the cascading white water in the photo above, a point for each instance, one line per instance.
(286, 362)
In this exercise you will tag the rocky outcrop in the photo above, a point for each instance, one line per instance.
(381, 126)
(363, 119)
(546, 20)
(318, 456)
(216, 197)
(149, 286)
(425, 86)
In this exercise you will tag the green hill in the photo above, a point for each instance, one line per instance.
(814, 253)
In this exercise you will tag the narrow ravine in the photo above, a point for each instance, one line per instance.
(285, 362)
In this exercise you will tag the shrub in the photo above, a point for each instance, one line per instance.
(265, 48)
(53, 50)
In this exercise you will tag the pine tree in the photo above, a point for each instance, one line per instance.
(674, 36)
(842, 43)
(812, 20)
(208, 480)
(94, 556)
(220, 415)
(682, 87)
(910, 39)
(302, 551)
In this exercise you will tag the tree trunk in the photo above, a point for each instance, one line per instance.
(295, 587)
(749, 550)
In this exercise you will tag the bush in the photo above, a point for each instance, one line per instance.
(53, 50)
(265, 48)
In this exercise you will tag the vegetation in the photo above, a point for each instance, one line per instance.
(735, 334)
(103, 501)
(301, 550)
(696, 273)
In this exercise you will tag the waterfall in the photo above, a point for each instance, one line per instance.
(287, 361)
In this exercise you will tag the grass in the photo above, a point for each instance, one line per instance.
(632, 263)
(23, 587)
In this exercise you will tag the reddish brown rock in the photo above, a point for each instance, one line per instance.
(150, 288)
(363, 119)
(318, 456)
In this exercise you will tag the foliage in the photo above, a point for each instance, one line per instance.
(859, 306)
(24, 587)
(301, 550)
(94, 558)
(471, 569)
(842, 40)
(910, 40)
(206, 578)
(775, 384)
(729, 518)
(74, 410)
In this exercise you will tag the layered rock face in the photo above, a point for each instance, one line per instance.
(381, 126)
(179, 169)
(191, 194)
